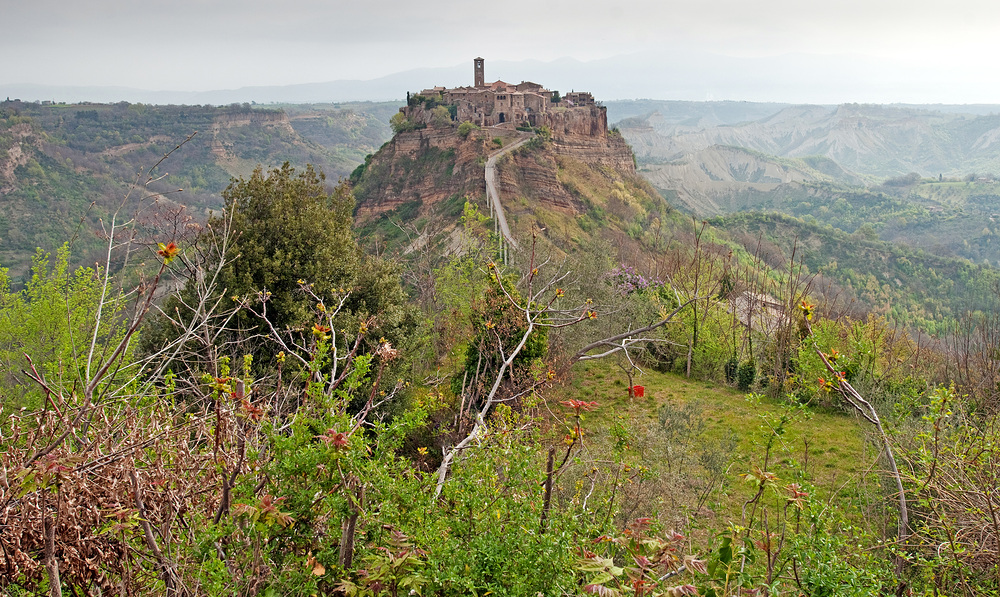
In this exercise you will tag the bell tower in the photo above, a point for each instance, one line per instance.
(479, 75)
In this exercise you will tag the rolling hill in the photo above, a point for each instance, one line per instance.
(65, 167)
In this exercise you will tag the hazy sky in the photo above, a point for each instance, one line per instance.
(192, 45)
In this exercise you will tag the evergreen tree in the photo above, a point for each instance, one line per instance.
(294, 243)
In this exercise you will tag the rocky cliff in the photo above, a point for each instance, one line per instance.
(432, 164)
(544, 175)
(576, 174)
(427, 166)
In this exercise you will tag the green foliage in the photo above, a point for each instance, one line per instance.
(911, 287)
(401, 124)
(746, 374)
(903, 181)
(732, 367)
(499, 325)
(291, 236)
(441, 116)
(290, 229)
(358, 172)
(950, 460)
(465, 128)
(50, 320)
(647, 561)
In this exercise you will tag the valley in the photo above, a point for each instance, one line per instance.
(499, 339)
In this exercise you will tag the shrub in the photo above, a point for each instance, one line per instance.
(465, 128)
(400, 123)
(441, 116)
(746, 375)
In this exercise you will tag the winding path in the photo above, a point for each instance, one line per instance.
(493, 196)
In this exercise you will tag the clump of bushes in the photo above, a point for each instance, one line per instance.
(465, 128)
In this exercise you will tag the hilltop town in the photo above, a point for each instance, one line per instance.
(507, 105)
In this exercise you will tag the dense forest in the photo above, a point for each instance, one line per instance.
(264, 401)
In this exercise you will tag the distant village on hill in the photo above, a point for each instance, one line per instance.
(525, 104)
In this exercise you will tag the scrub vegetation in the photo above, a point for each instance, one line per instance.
(253, 405)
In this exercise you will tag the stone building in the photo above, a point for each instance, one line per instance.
(501, 103)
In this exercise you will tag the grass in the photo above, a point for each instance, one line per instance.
(696, 439)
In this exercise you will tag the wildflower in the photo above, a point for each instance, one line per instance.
(337, 439)
(321, 331)
(559, 292)
(591, 314)
(579, 405)
(167, 251)
(386, 351)
(807, 309)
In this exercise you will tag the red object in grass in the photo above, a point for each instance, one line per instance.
(637, 391)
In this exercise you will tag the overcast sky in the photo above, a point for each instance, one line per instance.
(928, 50)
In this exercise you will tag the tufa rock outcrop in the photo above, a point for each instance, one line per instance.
(437, 160)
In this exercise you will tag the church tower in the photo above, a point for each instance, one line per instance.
(480, 77)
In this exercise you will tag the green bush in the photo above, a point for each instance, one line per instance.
(746, 375)
(400, 123)
(465, 128)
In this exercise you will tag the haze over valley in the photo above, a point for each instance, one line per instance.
(529, 299)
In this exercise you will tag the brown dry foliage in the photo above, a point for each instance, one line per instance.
(122, 497)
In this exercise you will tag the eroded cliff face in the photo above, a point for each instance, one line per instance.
(426, 166)
(434, 164)
(546, 175)
(21, 140)
(582, 121)
(566, 191)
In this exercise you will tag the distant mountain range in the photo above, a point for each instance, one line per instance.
(681, 74)
(868, 139)
(64, 167)
(924, 176)
(704, 154)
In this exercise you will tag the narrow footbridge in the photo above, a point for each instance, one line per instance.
(493, 196)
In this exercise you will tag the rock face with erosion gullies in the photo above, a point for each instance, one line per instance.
(426, 166)
(556, 164)
(432, 164)
(429, 160)
(541, 175)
